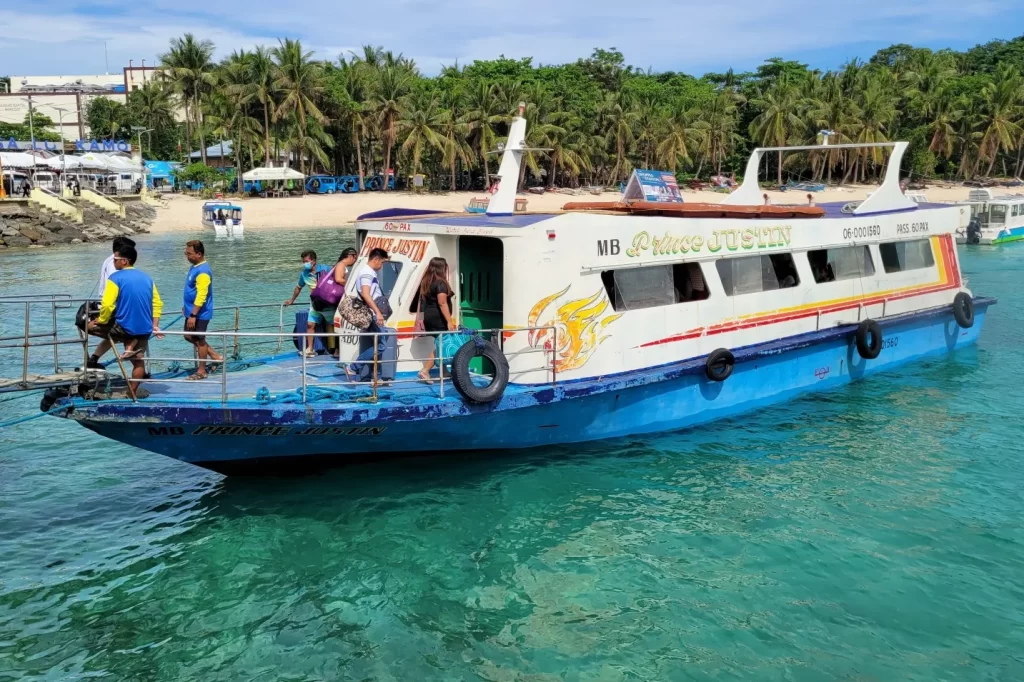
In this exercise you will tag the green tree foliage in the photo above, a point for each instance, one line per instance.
(41, 125)
(199, 173)
(592, 121)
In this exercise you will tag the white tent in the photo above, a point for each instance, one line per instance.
(272, 174)
(94, 162)
(72, 163)
(120, 163)
(19, 160)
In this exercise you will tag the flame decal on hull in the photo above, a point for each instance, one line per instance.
(578, 328)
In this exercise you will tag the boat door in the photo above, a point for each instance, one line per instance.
(480, 295)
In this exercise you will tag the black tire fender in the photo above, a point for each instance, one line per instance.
(869, 339)
(463, 379)
(719, 364)
(963, 310)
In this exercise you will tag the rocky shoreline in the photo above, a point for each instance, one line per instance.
(28, 226)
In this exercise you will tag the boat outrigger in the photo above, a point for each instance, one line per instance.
(225, 218)
(597, 321)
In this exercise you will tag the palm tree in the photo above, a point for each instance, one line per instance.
(544, 117)
(833, 110)
(153, 104)
(945, 110)
(261, 82)
(621, 120)
(652, 126)
(570, 152)
(300, 81)
(484, 113)
(352, 109)
(877, 103)
(390, 86)
(455, 132)
(779, 119)
(421, 126)
(1001, 110)
(717, 124)
(680, 132)
(189, 69)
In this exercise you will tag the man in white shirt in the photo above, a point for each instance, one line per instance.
(368, 288)
(108, 265)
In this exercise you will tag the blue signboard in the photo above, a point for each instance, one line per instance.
(80, 145)
(653, 185)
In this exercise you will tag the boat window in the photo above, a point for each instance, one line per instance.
(656, 285)
(753, 274)
(997, 214)
(848, 262)
(1016, 210)
(900, 256)
(389, 276)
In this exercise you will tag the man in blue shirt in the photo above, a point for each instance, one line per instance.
(310, 275)
(198, 305)
(129, 314)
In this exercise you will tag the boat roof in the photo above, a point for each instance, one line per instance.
(832, 209)
(697, 210)
(222, 204)
(422, 217)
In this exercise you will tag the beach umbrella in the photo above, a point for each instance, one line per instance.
(264, 173)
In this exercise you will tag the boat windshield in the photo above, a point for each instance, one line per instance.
(997, 214)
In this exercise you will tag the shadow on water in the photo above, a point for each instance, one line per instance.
(810, 427)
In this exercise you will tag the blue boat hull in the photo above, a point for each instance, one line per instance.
(253, 437)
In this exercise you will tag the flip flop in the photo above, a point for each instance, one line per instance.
(196, 377)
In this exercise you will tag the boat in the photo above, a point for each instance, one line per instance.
(600, 320)
(993, 219)
(803, 187)
(225, 218)
(477, 205)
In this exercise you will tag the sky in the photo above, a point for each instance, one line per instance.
(61, 37)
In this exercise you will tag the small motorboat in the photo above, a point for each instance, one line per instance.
(225, 218)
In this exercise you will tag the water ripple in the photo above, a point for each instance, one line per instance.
(870, 533)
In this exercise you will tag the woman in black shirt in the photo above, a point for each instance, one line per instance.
(435, 304)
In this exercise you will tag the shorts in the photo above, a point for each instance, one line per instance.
(117, 334)
(316, 316)
(201, 326)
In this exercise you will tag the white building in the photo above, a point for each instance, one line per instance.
(66, 98)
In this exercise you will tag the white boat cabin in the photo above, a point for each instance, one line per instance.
(613, 287)
(993, 219)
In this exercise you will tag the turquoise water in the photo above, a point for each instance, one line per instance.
(869, 533)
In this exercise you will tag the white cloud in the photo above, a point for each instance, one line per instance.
(57, 36)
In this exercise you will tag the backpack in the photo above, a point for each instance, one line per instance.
(327, 293)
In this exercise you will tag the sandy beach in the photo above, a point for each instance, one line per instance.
(183, 212)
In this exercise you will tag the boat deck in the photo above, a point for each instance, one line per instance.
(279, 380)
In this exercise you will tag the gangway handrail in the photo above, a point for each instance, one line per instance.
(375, 382)
(29, 339)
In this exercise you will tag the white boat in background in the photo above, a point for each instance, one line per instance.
(225, 218)
(993, 219)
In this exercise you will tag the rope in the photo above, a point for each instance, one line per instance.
(318, 393)
(26, 394)
(22, 420)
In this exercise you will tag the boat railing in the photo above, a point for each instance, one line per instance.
(49, 354)
(31, 324)
(311, 385)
